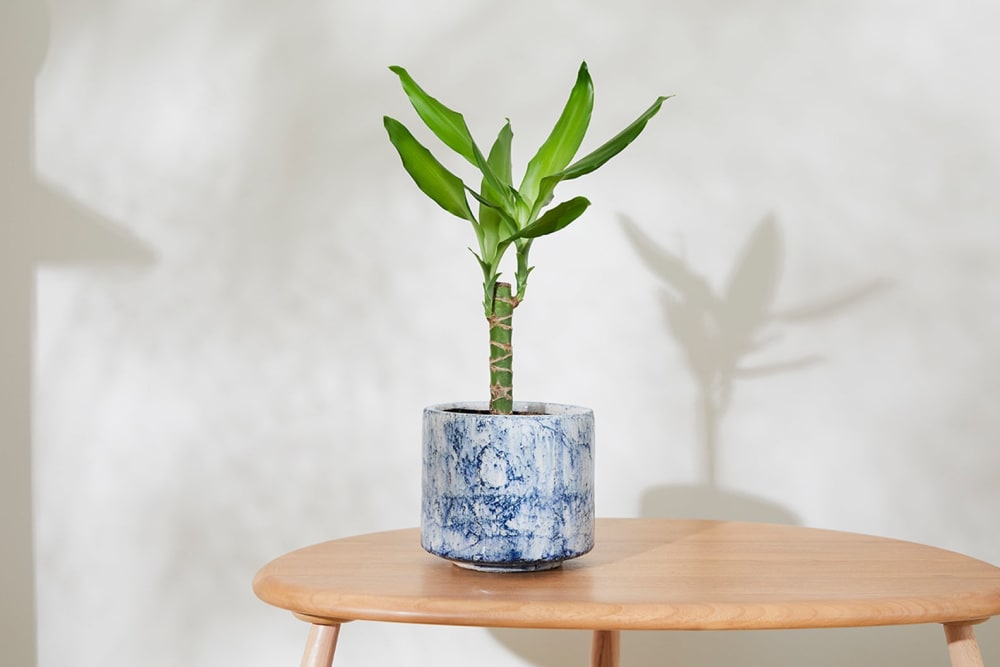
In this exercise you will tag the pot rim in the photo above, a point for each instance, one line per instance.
(522, 409)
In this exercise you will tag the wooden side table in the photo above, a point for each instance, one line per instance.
(644, 574)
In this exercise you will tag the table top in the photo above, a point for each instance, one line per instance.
(645, 574)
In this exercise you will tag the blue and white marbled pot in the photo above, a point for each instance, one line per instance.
(508, 492)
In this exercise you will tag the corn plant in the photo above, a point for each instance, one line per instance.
(506, 216)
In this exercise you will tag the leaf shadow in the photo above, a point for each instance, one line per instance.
(727, 334)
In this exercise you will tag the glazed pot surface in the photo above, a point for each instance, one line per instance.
(508, 492)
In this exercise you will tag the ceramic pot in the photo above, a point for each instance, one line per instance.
(508, 492)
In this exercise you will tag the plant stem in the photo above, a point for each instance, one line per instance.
(501, 352)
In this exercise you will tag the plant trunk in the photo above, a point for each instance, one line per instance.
(501, 352)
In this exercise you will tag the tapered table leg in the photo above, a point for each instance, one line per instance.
(962, 645)
(605, 649)
(320, 646)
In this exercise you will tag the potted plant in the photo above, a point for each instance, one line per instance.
(507, 486)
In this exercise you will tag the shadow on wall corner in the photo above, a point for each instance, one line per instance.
(37, 226)
(40, 225)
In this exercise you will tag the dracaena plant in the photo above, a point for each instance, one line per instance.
(507, 216)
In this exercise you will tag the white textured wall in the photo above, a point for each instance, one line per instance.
(260, 301)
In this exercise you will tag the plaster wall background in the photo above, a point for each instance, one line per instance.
(243, 303)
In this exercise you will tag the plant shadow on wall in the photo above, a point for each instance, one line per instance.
(722, 335)
(38, 227)
(727, 335)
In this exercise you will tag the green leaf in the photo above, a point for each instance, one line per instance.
(491, 214)
(594, 160)
(446, 189)
(613, 146)
(565, 138)
(496, 182)
(523, 269)
(555, 219)
(505, 218)
(499, 159)
(449, 126)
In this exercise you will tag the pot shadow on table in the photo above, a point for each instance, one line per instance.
(722, 336)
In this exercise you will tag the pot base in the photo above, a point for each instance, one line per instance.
(503, 568)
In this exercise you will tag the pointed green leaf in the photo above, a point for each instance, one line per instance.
(613, 146)
(449, 126)
(555, 219)
(499, 159)
(598, 157)
(491, 214)
(446, 189)
(565, 138)
(502, 188)
(496, 184)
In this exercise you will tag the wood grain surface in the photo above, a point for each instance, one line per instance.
(649, 574)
